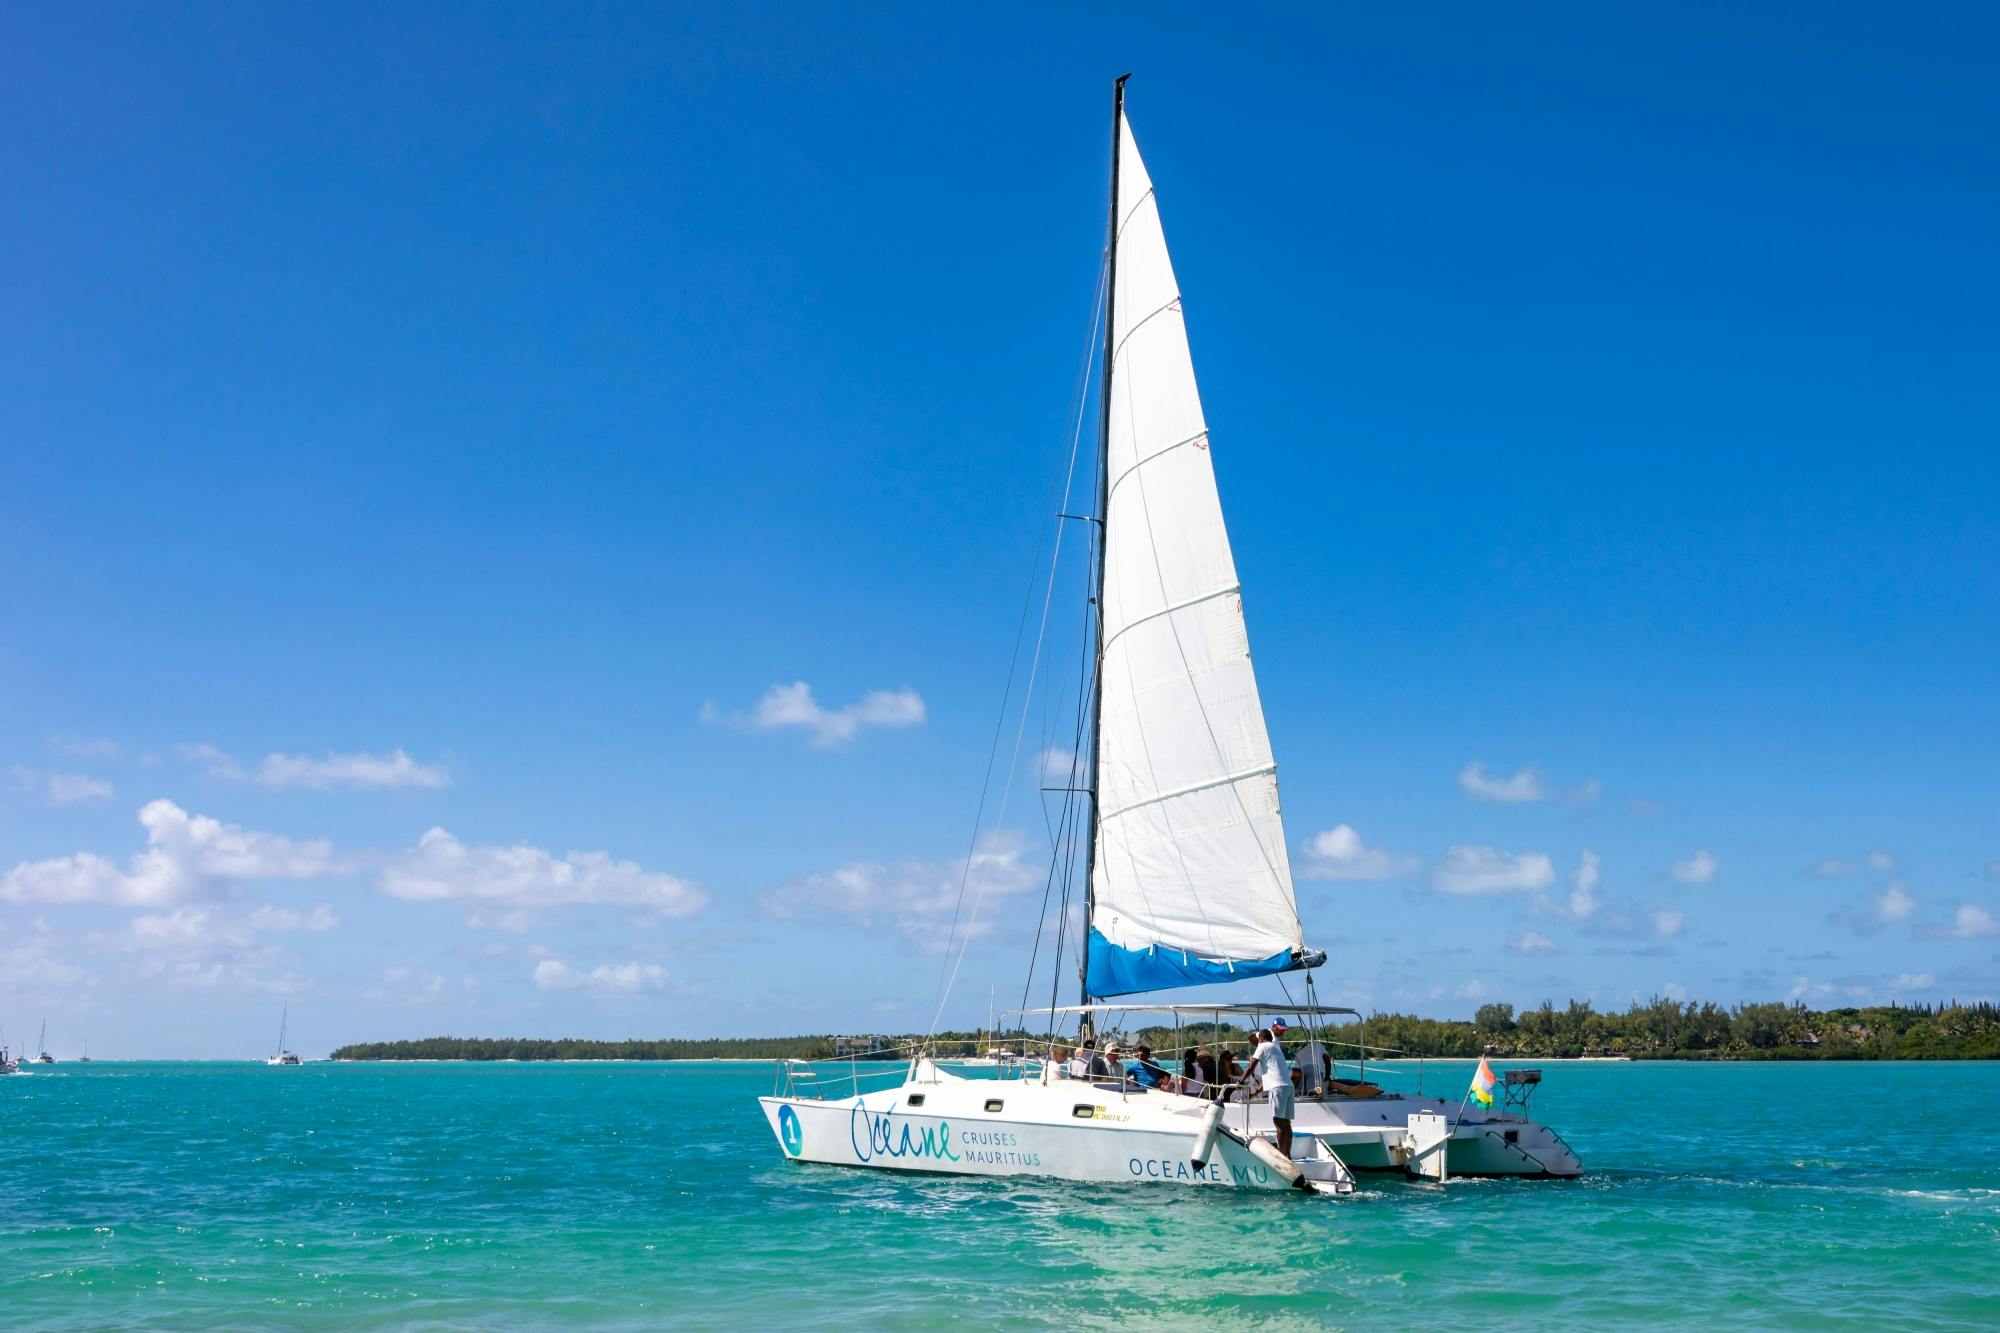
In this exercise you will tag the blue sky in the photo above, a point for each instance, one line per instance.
(462, 420)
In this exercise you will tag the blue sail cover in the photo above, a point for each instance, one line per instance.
(1116, 971)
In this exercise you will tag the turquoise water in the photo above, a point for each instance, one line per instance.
(645, 1195)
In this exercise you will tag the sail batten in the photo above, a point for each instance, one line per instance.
(1189, 876)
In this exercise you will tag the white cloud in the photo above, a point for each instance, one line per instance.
(1894, 903)
(1583, 893)
(1532, 941)
(1697, 869)
(915, 899)
(184, 929)
(1833, 866)
(1668, 921)
(284, 918)
(1338, 853)
(186, 854)
(218, 764)
(1057, 765)
(1525, 785)
(1490, 870)
(101, 747)
(793, 705)
(440, 868)
(1806, 988)
(335, 771)
(517, 921)
(1909, 981)
(1974, 923)
(392, 770)
(61, 788)
(605, 978)
(1585, 792)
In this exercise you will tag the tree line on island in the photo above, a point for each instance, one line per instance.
(1660, 1029)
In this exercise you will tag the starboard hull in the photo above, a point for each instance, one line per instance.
(1123, 1140)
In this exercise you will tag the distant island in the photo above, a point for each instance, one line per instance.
(1660, 1029)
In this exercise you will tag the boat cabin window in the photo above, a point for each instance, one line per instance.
(1084, 1111)
(995, 1104)
(1512, 1136)
(916, 1099)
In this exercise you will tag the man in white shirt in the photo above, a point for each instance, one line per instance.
(1271, 1072)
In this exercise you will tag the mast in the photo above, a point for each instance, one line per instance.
(1103, 513)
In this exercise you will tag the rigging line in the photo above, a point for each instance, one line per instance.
(946, 979)
(1057, 855)
(1056, 859)
(1088, 665)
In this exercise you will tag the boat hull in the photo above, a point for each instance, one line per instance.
(1369, 1135)
(1070, 1131)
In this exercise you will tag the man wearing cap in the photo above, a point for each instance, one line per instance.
(1271, 1072)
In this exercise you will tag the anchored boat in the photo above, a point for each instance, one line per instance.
(284, 1055)
(1188, 881)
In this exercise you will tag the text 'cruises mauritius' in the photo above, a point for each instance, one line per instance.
(1173, 804)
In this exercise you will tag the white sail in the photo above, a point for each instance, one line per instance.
(1190, 878)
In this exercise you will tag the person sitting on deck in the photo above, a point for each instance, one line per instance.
(1114, 1067)
(1086, 1063)
(1211, 1080)
(1148, 1072)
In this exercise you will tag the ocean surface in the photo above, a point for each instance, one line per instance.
(650, 1195)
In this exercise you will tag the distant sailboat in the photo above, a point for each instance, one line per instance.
(84, 1059)
(42, 1056)
(284, 1055)
(8, 1064)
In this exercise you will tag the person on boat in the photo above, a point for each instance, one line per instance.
(1087, 1063)
(1270, 1070)
(1114, 1067)
(1227, 1071)
(1149, 1073)
(1207, 1075)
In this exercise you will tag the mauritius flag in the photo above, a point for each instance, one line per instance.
(1482, 1084)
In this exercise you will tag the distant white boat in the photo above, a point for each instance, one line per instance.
(42, 1056)
(284, 1056)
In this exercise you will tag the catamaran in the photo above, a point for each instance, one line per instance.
(1189, 882)
(284, 1055)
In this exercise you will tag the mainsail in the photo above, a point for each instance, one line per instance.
(1190, 882)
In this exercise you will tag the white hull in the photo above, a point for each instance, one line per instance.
(1370, 1134)
(938, 1123)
